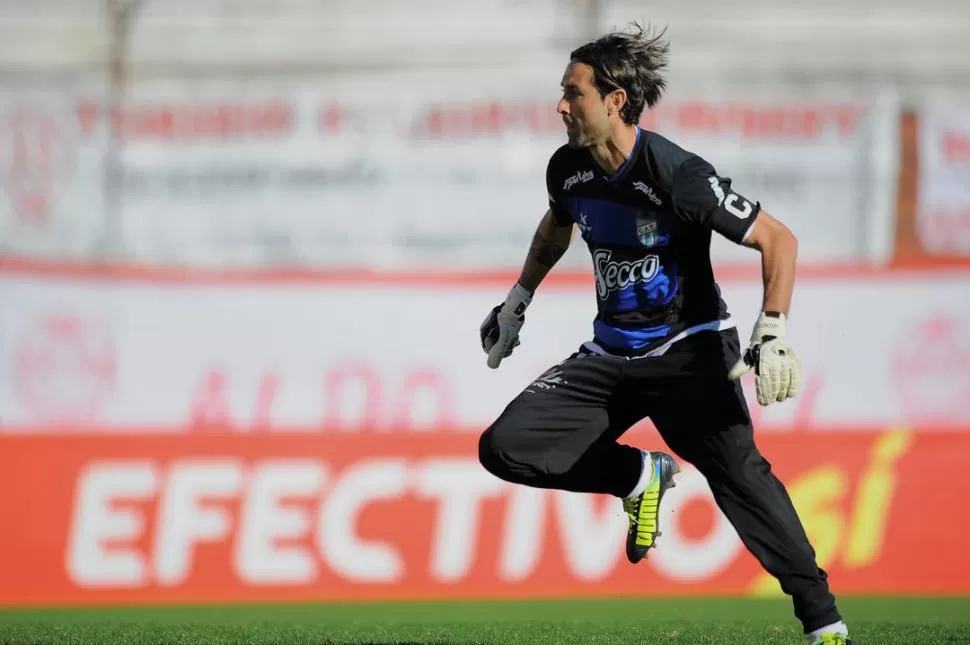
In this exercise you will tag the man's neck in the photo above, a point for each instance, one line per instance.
(611, 154)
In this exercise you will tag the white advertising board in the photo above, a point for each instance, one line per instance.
(875, 351)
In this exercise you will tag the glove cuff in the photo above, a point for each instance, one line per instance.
(774, 325)
(517, 301)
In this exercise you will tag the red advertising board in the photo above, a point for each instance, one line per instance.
(288, 517)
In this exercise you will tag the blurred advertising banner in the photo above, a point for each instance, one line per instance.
(252, 176)
(118, 352)
(934, 206)
(53, 161)
(227, 518)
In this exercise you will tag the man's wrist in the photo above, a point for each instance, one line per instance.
(769, 327)
(518, 300)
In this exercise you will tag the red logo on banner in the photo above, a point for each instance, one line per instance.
(64, 368)
(931, 370)
(956, 147)
(36, 158)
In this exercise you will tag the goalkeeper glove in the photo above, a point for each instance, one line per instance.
(500, 330)
(776, 367)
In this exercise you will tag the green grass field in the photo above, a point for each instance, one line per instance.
(873, 621)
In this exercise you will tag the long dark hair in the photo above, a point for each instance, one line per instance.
(632, 61)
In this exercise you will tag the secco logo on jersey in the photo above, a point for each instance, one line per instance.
(615, 276)
(581, 177)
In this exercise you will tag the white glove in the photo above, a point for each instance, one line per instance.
(777, 369)
(500, 331)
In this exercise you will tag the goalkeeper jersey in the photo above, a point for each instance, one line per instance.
(648, 229)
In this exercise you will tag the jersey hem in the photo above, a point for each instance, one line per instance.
(714, 325)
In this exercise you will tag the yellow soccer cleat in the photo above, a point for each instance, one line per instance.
(643, 510)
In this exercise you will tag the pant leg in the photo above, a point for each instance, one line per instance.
(560, 432)
(704, 418)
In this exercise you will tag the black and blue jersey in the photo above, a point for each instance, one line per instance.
(648, 228)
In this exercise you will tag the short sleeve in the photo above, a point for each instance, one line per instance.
(559, 212)
(702, 197)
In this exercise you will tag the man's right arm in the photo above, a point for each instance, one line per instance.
(500, 331)
(549, 243)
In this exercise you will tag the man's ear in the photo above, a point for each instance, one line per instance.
(617, 100)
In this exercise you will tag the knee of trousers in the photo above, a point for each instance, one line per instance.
(499, 454)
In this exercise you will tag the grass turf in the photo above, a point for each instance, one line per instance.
(873, 621)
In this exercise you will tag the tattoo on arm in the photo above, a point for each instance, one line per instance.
(545, 252)
(543, 255)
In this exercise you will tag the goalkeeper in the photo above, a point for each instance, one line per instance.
(663, 344)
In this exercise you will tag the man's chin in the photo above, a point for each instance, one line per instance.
(574, 142)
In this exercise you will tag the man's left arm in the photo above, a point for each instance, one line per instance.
(779, 251)
(777, 368)
(704, 198)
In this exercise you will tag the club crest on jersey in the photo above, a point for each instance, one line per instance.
(648, 191)
(581, 177)
(614, 276)
(647, 232)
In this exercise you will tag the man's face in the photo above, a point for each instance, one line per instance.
(582, 109)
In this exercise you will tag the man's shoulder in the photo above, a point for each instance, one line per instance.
(565, 159)
(568, 167)
(662, 144)
(662, 155)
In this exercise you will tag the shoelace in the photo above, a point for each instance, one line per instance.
(630, 512)
(644, 532)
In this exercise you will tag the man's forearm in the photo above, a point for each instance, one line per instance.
(543, 255)
(549, 244)
(779, 251)
(778, 273)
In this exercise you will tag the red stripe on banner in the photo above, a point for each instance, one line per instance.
(569, 278)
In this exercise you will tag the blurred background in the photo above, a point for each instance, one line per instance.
(245, 248)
